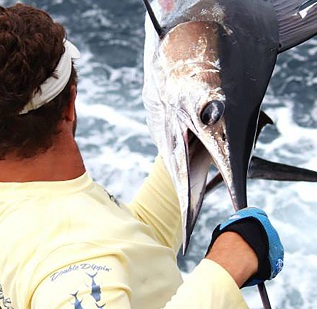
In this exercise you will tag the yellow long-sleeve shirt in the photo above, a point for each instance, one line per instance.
(70, 245)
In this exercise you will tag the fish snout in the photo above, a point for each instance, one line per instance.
(212, 112)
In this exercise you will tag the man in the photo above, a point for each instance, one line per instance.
(65, 242)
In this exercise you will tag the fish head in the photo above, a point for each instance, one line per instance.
(203, 90)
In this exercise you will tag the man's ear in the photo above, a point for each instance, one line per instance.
(70, 113)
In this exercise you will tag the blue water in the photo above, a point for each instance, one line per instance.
(118, 150)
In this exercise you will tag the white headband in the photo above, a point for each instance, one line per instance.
(53, 86)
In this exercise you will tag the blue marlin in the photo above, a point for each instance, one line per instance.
(207, 66)
(78, 302)
(95, 288)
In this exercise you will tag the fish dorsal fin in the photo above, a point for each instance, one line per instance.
(297, 21)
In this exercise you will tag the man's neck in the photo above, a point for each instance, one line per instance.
(62, 161)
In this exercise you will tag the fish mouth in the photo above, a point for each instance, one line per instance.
(200, 150)
(190, 181)
(199, 161)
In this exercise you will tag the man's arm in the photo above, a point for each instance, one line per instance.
(156, 204)
(75, 286)
(230, 262)
(85, 284)
(241, 263)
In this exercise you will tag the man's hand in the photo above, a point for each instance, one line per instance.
(248, 247)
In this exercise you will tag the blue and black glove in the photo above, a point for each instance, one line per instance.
(253, 225)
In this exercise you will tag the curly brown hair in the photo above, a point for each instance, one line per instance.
(31, 45)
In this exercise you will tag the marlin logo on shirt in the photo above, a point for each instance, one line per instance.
(113, 199)
(95, 294)
(78, 302)
(95, 289)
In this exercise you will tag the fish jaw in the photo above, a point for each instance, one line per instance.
(188, 163)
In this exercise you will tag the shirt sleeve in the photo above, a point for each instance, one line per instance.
(156, 204)
(103, 283)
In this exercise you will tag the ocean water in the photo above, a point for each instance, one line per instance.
(118, 151)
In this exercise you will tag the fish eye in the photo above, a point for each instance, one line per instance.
(212, 112)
